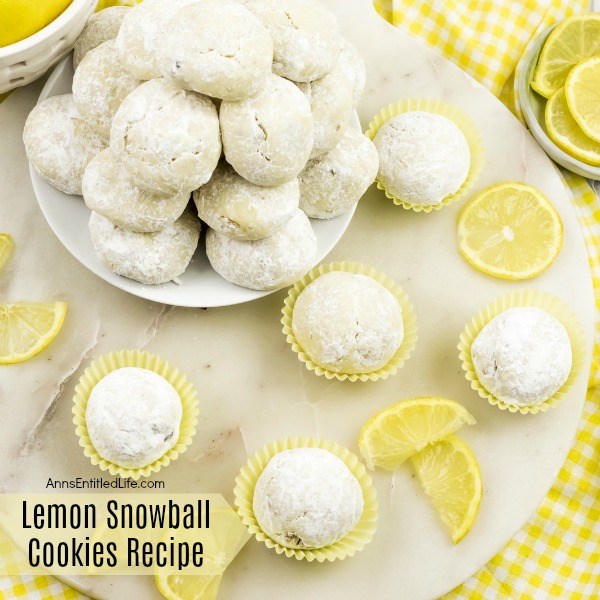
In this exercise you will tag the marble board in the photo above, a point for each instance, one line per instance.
(253, 389)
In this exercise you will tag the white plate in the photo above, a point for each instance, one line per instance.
(201, 286)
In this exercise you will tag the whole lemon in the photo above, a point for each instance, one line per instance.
(21, 18)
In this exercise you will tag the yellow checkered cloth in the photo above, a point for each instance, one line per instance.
(557, 554)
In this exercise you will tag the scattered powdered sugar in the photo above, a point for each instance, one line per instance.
(522, 356)
(268, 139)
(218, 48)
(244, 211)
(149, 258)
(100, 85)
(331, 103)
(334, 182)
(133, 417)
(141, 33)
(423, 157)
(307, 498)
(103, 26)
(60, 144)
(108, 190)
(348, 323)
(305, 36)
(167, 138)
(265, 264)
(353, 66)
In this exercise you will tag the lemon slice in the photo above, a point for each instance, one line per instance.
(510, 230)
(6, 248)
(176, 586)
(583, 96)
(450, 476)
(566, 133)
(26, 328)
(572, 41)
(392, 435)
(21, 18)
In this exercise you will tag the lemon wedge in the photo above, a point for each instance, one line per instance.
(510, 230)
(221, 543)
(583, 96)
(450, 476)
(175, 586)
(566, 133)
(26, 328)
(572, 41)
(392, 435)
(6, 248)
(21, 18)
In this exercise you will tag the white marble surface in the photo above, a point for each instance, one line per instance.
(253, 389)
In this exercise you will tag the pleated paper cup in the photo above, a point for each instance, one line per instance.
(119, 359)
(409, 319)
(459, 118)
(526, 298)
(349, 545)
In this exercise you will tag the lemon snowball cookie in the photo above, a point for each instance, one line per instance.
(108, 190)
(218, 48)
(149, 258)
(348, 323)
(141, 34)
(269, 263)
(60, 144)
(523, 356)
(307, 498)
(331, 102)
(268, 138)
(334, 182)
(103, 26)
(423, 157)
(305, 38)
(244, 211)
(167, 138)
(133, 417)
(353, 66)
(100, 85)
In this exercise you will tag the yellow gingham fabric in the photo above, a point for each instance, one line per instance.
(557, 554)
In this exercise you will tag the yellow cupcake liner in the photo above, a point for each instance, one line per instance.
(349, 545)
(409, 319)
(134, 358)
(525, 298)
(461, 120)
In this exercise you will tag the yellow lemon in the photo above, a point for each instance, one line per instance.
(566, 133)
(450, 476)
(583, 96)
(174, 586)
(401, 430)
(26, 328)
(21, 18)
(6, 248)
(510, 230)
(221, 543)
(572, 41)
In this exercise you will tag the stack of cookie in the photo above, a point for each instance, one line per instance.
(247, 104)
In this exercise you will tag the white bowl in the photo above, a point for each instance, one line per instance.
(201, 286)
(533, 106)
(25, 61)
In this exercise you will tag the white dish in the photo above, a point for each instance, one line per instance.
(533, 106)
(201, 286)
(25, 61)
